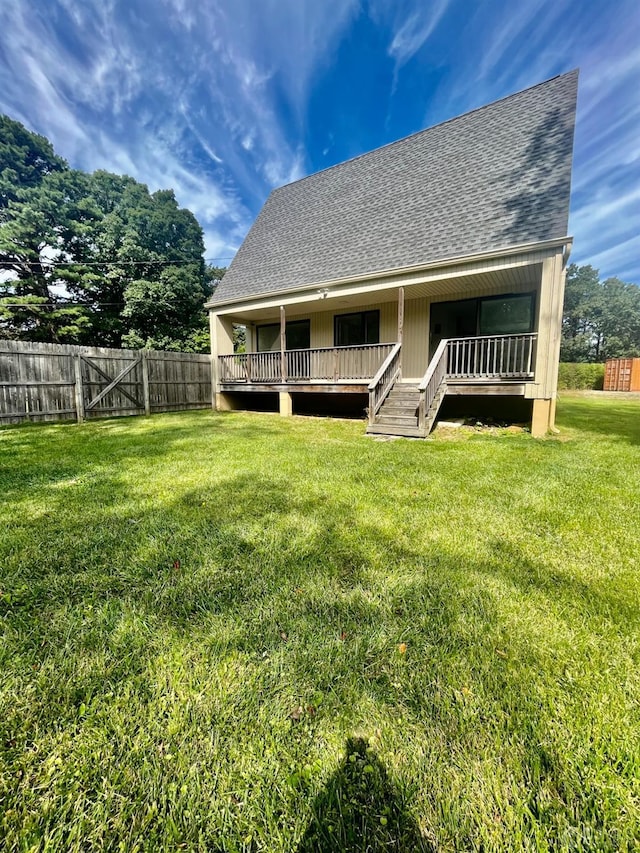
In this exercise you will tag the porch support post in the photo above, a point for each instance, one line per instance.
(214, 358)
(551, 296)
(550, 300)
(221, 344)
(400, 327)
(283, 346)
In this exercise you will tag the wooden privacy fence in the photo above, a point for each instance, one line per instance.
(47, 382)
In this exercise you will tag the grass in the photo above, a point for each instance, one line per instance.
(245, 633)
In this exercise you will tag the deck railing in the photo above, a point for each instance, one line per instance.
(250, 367)
(436, 374)
(491, 357)
(382, 382)
(320, 364)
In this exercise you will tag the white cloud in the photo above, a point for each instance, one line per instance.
(187, 99)
(414, 31)
(619, 259)
(212, 98)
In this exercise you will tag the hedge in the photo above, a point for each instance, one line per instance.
(580, 377)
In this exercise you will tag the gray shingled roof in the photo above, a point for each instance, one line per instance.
(495, 177)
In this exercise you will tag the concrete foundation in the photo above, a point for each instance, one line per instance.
(286, 404)
(542, 417)
(226, 403)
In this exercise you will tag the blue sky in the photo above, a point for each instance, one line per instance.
(222, 100)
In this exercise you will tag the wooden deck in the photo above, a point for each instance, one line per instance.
(489, 365)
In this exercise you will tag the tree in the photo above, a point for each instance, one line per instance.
(601, 319)
(95, 259)
(160, 310)
(619, 320)
(42, 228)
(581, 303)
(25, 158)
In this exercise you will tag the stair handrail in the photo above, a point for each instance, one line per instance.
(436, 373)
(382, 382)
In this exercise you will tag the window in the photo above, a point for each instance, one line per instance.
(298, 336)
(506, 315)
(362, 327)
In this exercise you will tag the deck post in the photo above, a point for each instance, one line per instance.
(214, 358)
(221, 344)
(283, 344)
(286, 404)
(400, 327)
(541, 418)
(549, 328)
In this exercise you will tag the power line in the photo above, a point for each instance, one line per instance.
(58, 305)
(53, 262)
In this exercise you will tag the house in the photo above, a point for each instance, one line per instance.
(424, 276)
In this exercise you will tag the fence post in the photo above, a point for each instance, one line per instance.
(145, 382)
(77, 364)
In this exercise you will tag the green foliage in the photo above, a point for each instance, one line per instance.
(601, 319)
(160, 310)
(25, 158)
(96, 259)
(579, 376)
(239, 338)
(203, 618)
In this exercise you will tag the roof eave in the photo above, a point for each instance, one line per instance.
(565, 242)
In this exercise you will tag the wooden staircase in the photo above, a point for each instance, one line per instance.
(399, 414)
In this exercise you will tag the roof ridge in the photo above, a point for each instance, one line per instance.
(574, 72)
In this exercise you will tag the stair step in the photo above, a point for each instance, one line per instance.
(397, 398)
(413, 398)
(407, 420)
(398, 414)
(389, 429)
(393, 405)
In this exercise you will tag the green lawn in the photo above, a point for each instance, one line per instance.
(204, 620)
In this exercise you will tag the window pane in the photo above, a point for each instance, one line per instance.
(269, 338)
(508, 316)
(362, 327)
(348, 330)
(299, 334)
(372, 327)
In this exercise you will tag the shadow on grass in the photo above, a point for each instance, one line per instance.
(360, 810)
(303, 595)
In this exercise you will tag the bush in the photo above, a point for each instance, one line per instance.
(580, 377)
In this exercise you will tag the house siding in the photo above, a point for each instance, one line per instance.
(415, 358)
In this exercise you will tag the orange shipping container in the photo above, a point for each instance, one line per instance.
(622, 374)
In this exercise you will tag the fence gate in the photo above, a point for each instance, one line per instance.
(110, 384)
